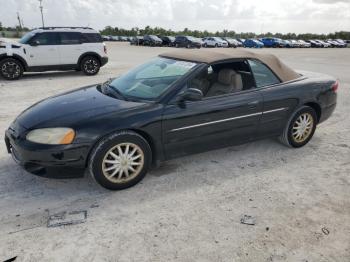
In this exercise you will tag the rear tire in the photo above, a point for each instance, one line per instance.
(120, 160)
(11, 69)
(90, 65)
(300, 127)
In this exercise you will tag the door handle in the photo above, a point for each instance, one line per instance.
(253, 104)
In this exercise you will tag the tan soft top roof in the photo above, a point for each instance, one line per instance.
(284, 72)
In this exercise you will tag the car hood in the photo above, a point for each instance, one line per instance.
(9, 42)
(86, 102)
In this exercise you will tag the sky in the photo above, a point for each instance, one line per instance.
(259, 16)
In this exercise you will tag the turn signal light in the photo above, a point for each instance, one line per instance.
(335, 86)
(68, 138)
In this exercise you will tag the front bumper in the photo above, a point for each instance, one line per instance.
(56, 161)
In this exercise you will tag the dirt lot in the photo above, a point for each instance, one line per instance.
(190, 208)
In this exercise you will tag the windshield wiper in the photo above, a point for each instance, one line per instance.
(107, 88)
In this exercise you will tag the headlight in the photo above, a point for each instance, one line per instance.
(52, 136)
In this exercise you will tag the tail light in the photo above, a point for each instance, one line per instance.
(335, 86)
(105, 49)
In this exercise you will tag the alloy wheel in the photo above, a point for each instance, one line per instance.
(302, 127)
(91, 66)
(123, 162)
(10, 69)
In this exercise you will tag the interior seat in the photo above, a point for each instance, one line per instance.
(229, 81)
(201, 84)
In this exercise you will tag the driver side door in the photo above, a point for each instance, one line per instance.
(214, 122)
(42, 50)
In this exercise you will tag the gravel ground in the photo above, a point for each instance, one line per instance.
(190, 208)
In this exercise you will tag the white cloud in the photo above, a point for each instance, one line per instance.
(319, 16)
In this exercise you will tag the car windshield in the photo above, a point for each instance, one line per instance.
(26, 37)
(154, 37)
(171, 38)
(191, 38)
(152, 79)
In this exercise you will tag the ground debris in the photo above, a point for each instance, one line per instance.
(248, 220)
(325, 231)
(67, 218)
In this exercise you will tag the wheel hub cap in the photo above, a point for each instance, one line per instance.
(302, 127)
(123, 162)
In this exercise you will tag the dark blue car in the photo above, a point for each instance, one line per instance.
(253, 43)
(272, 42)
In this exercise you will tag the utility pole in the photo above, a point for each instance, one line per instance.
(19, 21)
(41, 10)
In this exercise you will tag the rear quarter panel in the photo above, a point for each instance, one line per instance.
(310, 88)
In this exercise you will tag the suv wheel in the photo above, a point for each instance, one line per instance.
(120, 160)
(90, 65)
(188, 46)
(11, 69)
(300, 127)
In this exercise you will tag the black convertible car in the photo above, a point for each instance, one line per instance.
(177, 104)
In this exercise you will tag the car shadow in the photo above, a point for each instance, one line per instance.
(51, 74)
(209, 168)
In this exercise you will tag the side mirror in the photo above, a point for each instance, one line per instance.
(35, 43)
(191, 94)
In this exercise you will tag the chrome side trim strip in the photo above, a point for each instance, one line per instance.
(275, 110)
(229, 119)
(217, 121)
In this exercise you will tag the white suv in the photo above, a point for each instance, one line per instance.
(53, 48)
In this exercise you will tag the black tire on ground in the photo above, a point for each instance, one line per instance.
(287, 136)
(100, 151)
(216, 45)
(188, 46)
(11, 69)
(90, 65)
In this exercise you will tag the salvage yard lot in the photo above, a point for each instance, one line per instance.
(190, 208)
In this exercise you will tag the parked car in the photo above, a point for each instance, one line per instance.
(53, 48)
(295, 43)
(231, 42)
(272, 42)
(288, 43)
(314, 43)
(214, 42)
(136, 40)
(341, 42)
(115, 38)
(241, 40)
(158, 111)
(105, 38)
(323, 43)
(304, 44)
(152, 40)
(168, 40)
(187, 41)
(333, 43)
(253, 43)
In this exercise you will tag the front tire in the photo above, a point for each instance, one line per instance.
(90, 65)
(11, 69)
(120, 160)
(300, 127)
